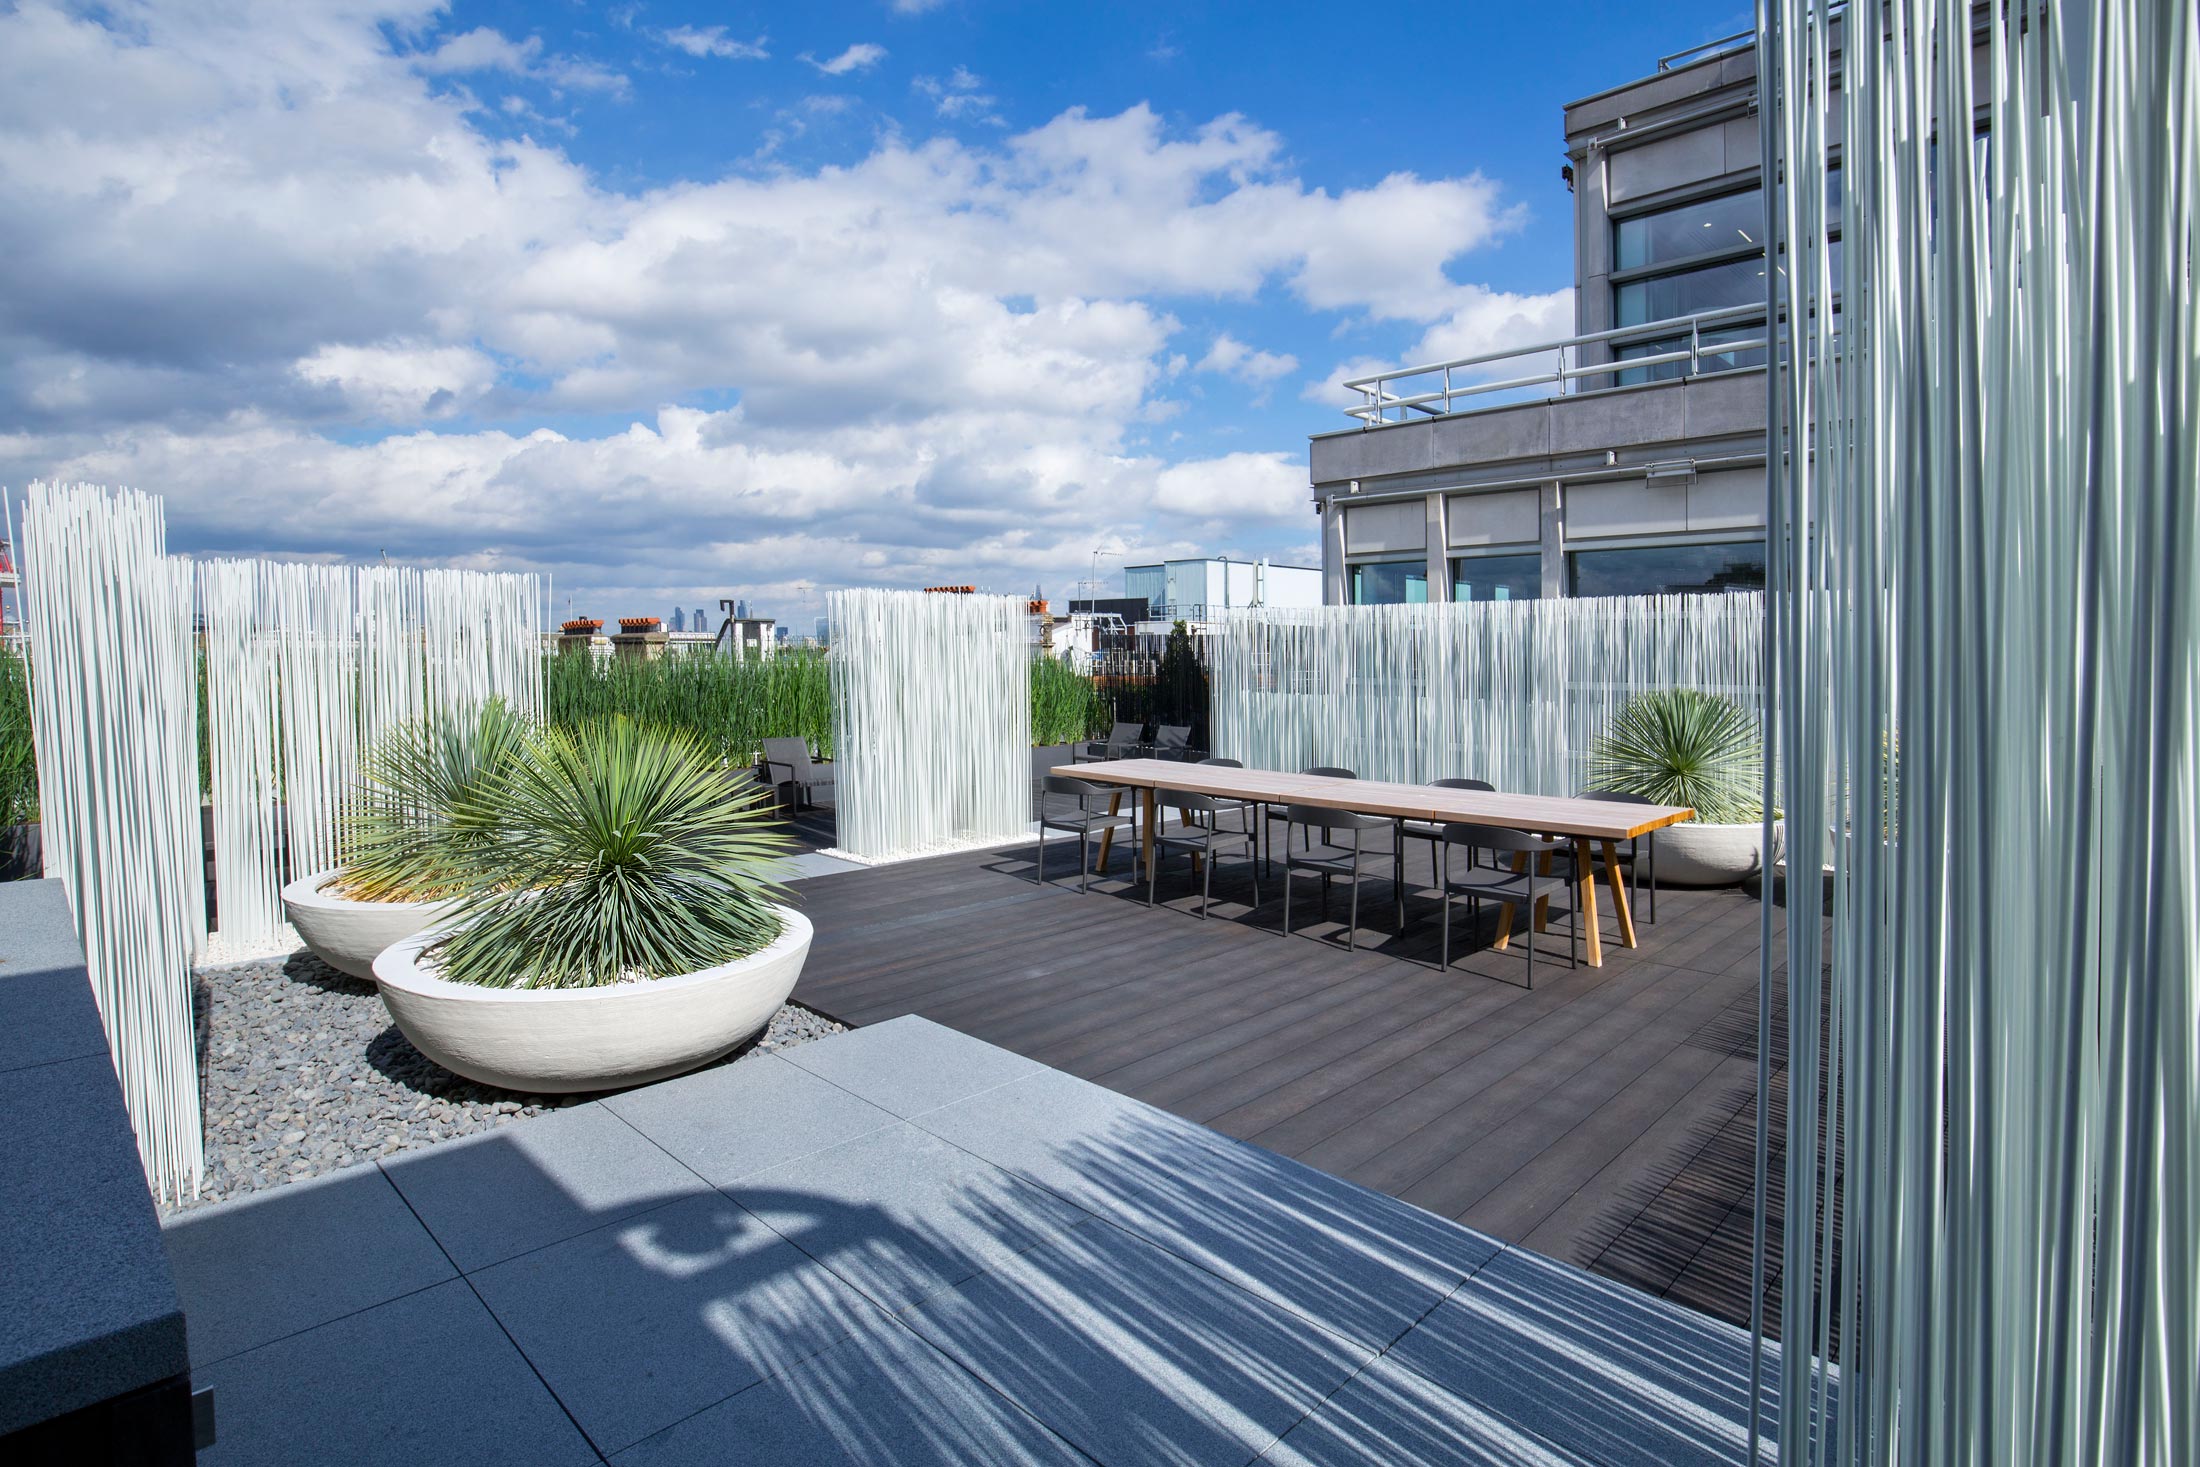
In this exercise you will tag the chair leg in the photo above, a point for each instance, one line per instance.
(1443, 887)
(1287, 893)
(1084, 861)
(1573, 935)
(1206, 881)
(1529, 937)
(1252, 869)
(1152, 877)
(1041, 878)
(1352, 929)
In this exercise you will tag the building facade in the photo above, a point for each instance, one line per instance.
(1201, 590)
(1610, 479)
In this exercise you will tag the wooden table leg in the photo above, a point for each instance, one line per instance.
(1107, 837)
(1585, 876)
(1145, 839)
(1505, 912)
(1619, 894)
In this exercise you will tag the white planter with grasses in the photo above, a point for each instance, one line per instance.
(1697, 854)
(349, 935)
(560, 1040)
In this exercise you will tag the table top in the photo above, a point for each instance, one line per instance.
(1545, 814)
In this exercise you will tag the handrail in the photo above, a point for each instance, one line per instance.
(1665, 63)
(1380, 401)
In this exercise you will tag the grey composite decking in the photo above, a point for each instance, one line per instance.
(900, 1245)
(1606, 1118)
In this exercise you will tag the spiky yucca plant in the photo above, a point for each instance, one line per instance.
(416, 822)
(1679, 746)
(623, 852)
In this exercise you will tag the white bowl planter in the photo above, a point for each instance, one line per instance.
(1697, 854)
(349, 935)
(559, 1040)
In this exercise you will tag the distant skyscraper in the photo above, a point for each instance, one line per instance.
(741, 610)
(698, 622)
(679, 620)
(824, 631)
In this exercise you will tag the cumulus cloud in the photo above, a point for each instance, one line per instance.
(712, 40)
(285, 277)
(1233, 358)
(862, 56)
(486, 49)
(958, 95)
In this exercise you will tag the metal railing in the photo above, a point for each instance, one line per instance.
(1720, 47)
(1379, 401)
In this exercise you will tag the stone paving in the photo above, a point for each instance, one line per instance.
(900, 1245)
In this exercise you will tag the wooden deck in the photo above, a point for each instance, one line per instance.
(1605, 1118)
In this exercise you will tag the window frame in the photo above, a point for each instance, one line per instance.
(1517, 550)
(1393, 557)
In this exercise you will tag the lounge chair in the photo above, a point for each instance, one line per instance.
(789, 770)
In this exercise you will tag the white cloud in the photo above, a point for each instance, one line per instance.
(1233, 358)
(1268, 486)
(916, 7)
(712, 40)
(862, 56)
(1479, 321)
(958, 96)
(268, 271)
(484, 49)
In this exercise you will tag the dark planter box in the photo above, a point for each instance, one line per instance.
(22, 852)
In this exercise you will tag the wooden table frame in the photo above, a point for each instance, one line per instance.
(1587, 823)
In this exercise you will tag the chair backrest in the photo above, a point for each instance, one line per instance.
(1615, 797)
(1172, 738)
(1482, 785)
(1124, 736)
(1069, 784)
(1492, 838)
(1330, 771)
(794, 753)
(1186, 800)
(1225, 763)
(1321, 817)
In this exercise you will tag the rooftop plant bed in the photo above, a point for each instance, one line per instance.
(1680, 746)
(622, 922)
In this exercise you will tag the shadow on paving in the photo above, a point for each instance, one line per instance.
(901, 1245)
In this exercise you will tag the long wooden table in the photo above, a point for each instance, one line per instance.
(1601, 822)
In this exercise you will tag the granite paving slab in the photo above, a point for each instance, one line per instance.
(900, 1214)
(501, 1193)
(1136, 1356)
(426, 1378)
(911, 1065)
(726, 1123)
(646, 1321)
(884, 1396)
(251, 1275)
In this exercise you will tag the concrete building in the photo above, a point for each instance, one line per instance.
(1611, 479)
(1199, 590)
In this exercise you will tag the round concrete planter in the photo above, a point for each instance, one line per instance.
(349, 935)
(1696, 854)
(559, 1040)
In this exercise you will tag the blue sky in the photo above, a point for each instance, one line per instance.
(680, 301)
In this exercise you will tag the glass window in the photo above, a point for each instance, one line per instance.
(1497, 578)
(1665, 570)
(1390, 582)
(1702, 227)
(1668, 570)
(1684, 292)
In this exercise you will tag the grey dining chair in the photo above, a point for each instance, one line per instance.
(791, 773)
(1432, 831)
(1200, 831)
(1276, 814)
(1081, 818)
(1246, 809)
(1520, 890)
(1328, 858)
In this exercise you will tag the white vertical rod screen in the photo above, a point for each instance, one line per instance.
(307, 665)
(1987, 691)
(108, 615)
(1511, 692)
(931, 721)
